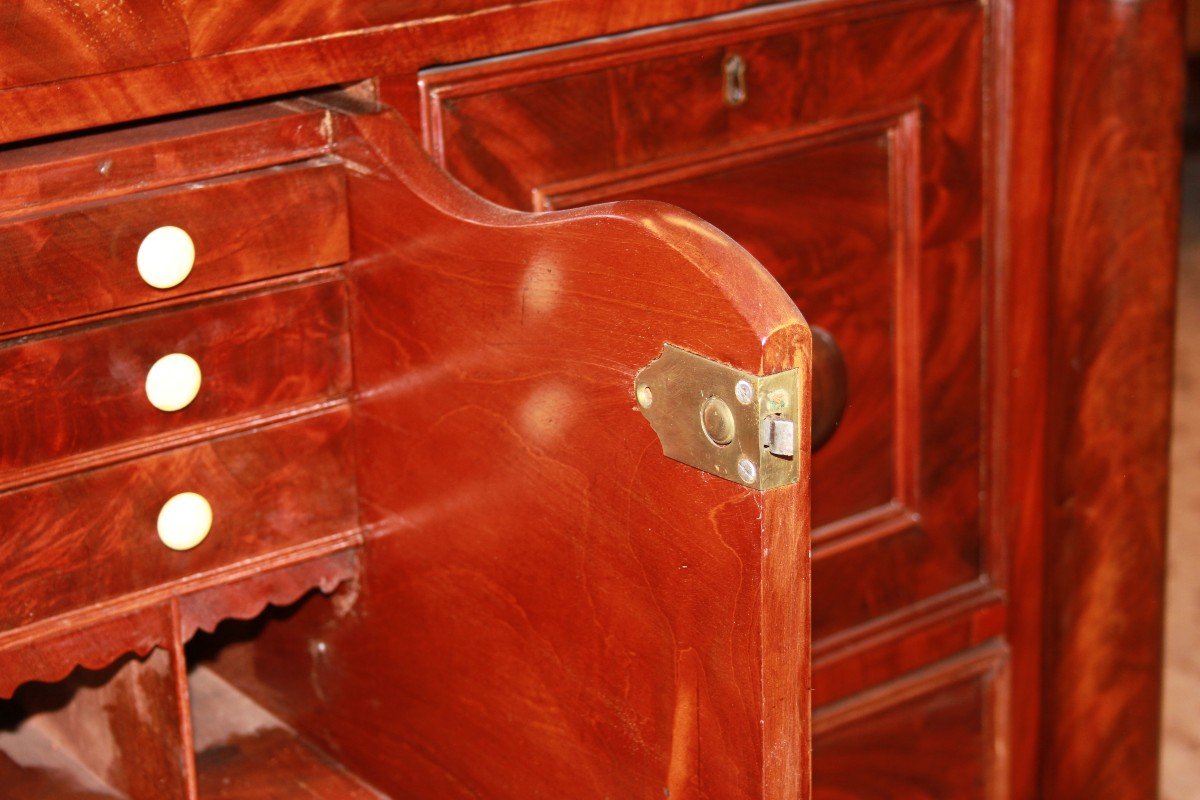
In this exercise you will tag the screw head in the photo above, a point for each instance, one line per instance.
(747, 471)
(744, 392)
(645, 397)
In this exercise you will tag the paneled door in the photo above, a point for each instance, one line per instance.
(848, 150)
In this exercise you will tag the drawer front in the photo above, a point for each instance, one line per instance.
(928, 735)
(84, 260)
(68, 394)
(617, 115)
(91, 537)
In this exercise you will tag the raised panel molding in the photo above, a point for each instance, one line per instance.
(927, 734)
(863, 149)
(848, 539)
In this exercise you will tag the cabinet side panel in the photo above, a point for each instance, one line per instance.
(1112, 317)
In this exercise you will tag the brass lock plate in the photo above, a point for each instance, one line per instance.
(732, 424)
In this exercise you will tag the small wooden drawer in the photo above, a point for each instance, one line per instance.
(83, 260)
(92, 537)
(68, 394)
(591, 108)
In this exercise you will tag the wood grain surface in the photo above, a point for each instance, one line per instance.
(1022, 214)
(1112, 309)
(92, 536)
(257, 354)
(567, 611)
(49, 41)
(856, 170)
(924, 737)
(533, 557)
(271, 763)
(171, 86)
(122, 724)
(147, 155)
(74, 262)
(243, 753)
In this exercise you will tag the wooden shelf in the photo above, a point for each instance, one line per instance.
(244, 753)
(55, 742)
(34, 767)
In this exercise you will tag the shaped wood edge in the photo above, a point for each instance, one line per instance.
(383, 143)
(56, 649)
(766, 334)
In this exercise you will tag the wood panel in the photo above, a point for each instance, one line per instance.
(918, 637)
(855, 172)
(49, 41)
(52, 41)
(1112, 313)
(1193, 27)
(92, 536)
(838, 259)
(87, 644)
(78, 261)
(1021, 216)
(400, 49)
(223, 27)
(926, 736)
(547, 605)
(243, 753)
(148, 155)
(830, 215)
(257, 354)
(93, 637)
(124, 724)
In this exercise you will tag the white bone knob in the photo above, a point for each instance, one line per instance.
(165, 257)
(173, 382)
(184, 521)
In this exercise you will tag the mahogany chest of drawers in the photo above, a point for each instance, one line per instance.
(704, 400)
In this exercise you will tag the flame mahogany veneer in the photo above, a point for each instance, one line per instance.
(448, 558)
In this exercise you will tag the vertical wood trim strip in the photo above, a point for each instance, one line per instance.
(786, 621)
(1113, 259)
(905, 202)
(183, 699)
(1020, 370)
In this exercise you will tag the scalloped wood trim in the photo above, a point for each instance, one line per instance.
(95, 638)
(57, 654)
(249, 597)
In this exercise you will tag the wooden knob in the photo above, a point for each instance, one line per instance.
(828, 386)
(165, 257)
(173, 382)
(184, 521)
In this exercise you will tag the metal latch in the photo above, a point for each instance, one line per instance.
(733, 424)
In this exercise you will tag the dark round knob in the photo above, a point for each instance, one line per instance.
(828, 386)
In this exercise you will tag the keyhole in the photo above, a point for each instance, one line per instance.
(735, 80)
